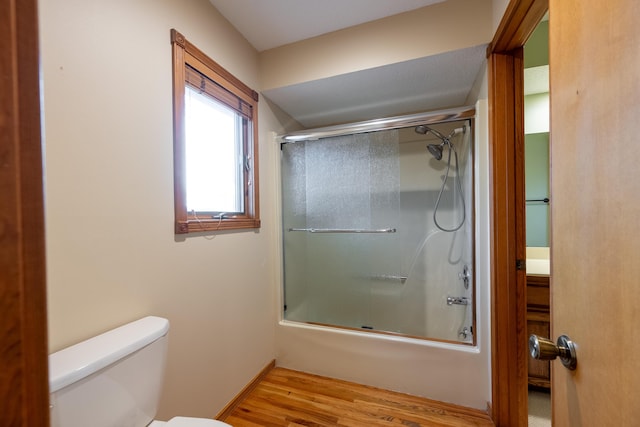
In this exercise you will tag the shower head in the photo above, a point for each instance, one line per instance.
(435, 150)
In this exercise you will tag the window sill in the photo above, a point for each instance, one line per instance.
(196, 226)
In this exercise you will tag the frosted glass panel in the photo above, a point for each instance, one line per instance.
(349, 184)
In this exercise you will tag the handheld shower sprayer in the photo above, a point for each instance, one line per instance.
(436, 151)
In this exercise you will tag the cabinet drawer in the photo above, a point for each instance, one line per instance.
(538, 292)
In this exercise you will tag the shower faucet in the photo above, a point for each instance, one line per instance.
(457, 301)
(465, 333)
(465, 276)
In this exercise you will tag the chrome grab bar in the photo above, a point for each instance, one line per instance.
(344, 230)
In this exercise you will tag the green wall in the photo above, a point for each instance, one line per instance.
(536, 155)
(536, 51)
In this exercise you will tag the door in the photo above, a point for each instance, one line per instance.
(595, 214)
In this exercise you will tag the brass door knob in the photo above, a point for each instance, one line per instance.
(545, 349)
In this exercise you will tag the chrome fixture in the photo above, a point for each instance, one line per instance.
(545, 349)
(436, 151)
(457, 301)
(465, 276)
(465, 333)
(345, 230)
(432, 117)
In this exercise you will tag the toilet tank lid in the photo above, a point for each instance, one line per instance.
(87, 357)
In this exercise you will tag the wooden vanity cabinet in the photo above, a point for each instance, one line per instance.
(538, 323)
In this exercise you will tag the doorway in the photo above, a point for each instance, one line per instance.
(508, 231)
(537, 214)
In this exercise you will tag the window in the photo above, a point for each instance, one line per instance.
(215, 144)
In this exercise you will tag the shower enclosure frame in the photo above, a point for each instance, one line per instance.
(465, 113)
(396, 122)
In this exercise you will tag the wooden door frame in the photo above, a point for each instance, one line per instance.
(24, 378)
(509, 355)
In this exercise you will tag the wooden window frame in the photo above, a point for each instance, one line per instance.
(230, 91)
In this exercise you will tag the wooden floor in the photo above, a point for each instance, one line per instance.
(290, 398)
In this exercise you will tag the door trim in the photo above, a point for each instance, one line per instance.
(24, 378)
(508, 240)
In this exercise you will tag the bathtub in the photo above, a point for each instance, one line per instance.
(442, 371)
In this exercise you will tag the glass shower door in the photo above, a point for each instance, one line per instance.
(340, 211)
(378, 233)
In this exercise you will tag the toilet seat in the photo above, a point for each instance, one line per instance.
(188, 422)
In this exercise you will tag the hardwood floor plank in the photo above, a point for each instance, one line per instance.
(290, 398)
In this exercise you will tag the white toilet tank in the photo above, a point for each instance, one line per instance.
(111, 380)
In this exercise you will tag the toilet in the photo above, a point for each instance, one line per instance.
(114, 379)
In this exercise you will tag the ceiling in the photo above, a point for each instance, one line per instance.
(271, 23)
(434, 82)
(424, 84)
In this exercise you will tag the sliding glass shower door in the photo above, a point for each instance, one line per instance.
(341, 211)
(361, 249)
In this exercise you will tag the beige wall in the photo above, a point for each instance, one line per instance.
(112, 255)
(443, 27)
(499, 8)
